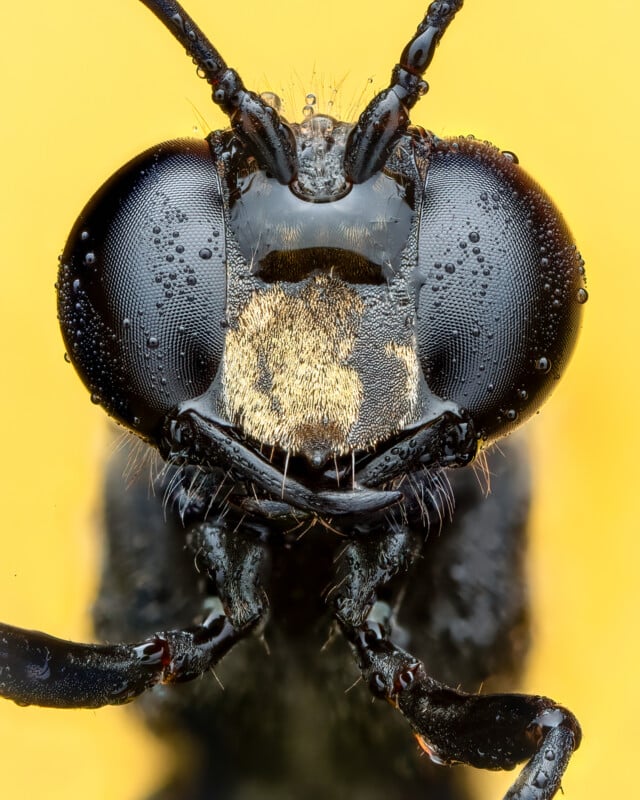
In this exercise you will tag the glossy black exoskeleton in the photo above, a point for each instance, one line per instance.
(315, 324)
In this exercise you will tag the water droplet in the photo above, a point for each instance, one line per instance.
(191, 280)
(153, 343)
(474, 237)
(311, 99)
(582, 295)
(541, 779)
(84, 236)
(307, 111)
(272, 99)
(542, 364)
(205, 253)
(511, 415)
(67, 358)
(450, 268)
(156, 229)
(511, 156)
(95, 398)
(90, 258)
(126, 323)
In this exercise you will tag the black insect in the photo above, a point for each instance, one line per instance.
(315, 325)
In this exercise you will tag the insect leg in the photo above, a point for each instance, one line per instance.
(493, 731)
(38, 669)
(364, 565)
(236, 560)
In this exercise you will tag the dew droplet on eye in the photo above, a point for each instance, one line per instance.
(582, 295)
(542, 364)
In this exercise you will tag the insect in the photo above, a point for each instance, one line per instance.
(320, 327)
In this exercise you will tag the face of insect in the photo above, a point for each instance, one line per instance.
(322, 318)
(370, 305)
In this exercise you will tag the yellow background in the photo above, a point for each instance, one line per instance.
(86, 85)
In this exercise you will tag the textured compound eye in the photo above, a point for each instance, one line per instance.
(501, 286)
(142, 285)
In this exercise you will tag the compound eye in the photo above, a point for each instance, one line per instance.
(501, 286)
(142, 285)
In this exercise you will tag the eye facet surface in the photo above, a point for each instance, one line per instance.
(501, 286)
(142, 285)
